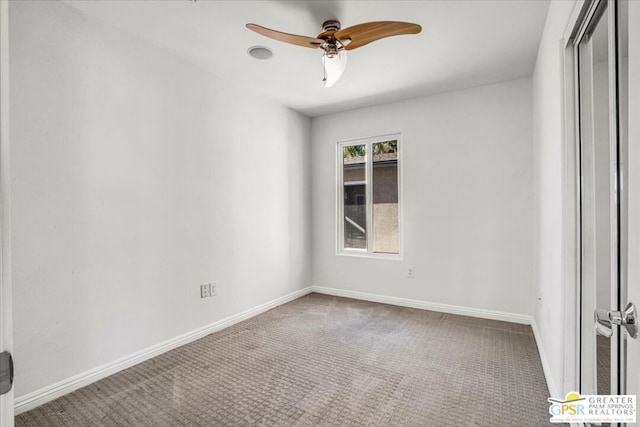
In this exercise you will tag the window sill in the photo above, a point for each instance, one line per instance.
(357, 254)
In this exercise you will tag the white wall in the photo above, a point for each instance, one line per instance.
(548, 170)
(137, 177)
(467, 199)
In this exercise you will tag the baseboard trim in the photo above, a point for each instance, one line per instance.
(546, 368)
(425, 305)
(49, 393)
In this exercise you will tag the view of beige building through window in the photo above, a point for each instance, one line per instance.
(382, 211)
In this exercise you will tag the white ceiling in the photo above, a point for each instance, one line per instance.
(462, 44)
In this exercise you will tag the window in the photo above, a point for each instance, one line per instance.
(369, 196)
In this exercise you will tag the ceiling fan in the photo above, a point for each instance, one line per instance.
(335, 41)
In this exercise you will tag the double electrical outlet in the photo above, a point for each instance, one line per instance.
(411, 272)
(209, 290)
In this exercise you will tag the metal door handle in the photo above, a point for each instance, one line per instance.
(6, 372)
(628, 318)
(603, 323)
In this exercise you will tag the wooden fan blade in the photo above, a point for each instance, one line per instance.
(287, 38)
(363, 34)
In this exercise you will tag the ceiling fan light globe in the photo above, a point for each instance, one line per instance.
(334, 66)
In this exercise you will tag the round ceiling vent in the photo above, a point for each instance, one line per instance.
(260, 52)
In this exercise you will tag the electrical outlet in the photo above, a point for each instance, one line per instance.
(213, 289)
(411, 272)
(205, 290)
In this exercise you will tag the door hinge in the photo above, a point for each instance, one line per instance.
(6, 372)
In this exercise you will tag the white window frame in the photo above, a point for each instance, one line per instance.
(368, 252)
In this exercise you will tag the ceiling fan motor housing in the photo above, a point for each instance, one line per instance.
(331, 25)
(331, 45)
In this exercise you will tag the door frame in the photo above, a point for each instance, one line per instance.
(6, 318)
(583, 12)
(633, 200)
(572, 257)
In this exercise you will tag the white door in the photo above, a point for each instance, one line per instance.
(6, 399)
(603, 88)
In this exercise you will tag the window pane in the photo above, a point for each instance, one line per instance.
(354, 158)
(385, 197)
(355, 196)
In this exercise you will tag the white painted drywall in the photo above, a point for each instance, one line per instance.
(467, 199)
(137, 177)
(548, 133)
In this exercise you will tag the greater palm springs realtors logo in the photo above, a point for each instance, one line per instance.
(593, 408)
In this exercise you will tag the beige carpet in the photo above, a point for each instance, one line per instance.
(326, 361)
